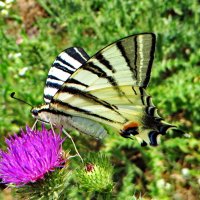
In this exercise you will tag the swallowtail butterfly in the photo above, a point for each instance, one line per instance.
(84, 93)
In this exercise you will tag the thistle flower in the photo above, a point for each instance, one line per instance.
(30, 156)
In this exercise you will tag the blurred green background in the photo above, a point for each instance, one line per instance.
(33, 33)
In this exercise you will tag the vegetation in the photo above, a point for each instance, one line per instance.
(33, 33)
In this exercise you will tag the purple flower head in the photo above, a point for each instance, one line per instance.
(30, 156)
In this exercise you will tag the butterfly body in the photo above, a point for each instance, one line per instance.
(60, 119)
(108, 88)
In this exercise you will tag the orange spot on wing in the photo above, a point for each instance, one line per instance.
(130, 125)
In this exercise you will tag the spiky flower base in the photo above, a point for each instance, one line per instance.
(53, 186)
(97, 174)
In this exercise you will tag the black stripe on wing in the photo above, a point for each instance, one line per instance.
(138, 53)
(105, 62)
(51, 84)
(74, 81)
(151, 57)
(47, 97)
(77, 53)
(53, 77)
(88, 96)
(77, 109)
(124, 54)
(142, 94)
(64, 65)
(95, 69)
(135, 63)
(54, 111)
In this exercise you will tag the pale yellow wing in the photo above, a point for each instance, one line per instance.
(102, 89)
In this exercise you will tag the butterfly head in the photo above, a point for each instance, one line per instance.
(35, 112)
(41, 113)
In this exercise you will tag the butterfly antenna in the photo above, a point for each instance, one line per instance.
(12, 95)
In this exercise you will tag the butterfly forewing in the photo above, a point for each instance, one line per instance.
(64, 65)
(126, 62)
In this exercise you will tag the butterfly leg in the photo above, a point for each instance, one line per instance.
(66, 155)
(34, 125)
(69, 136)
(52, 128)
(72, 156)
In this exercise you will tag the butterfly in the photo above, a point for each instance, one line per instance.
(92, 94)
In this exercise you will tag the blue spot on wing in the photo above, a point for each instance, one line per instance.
(153, 138)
